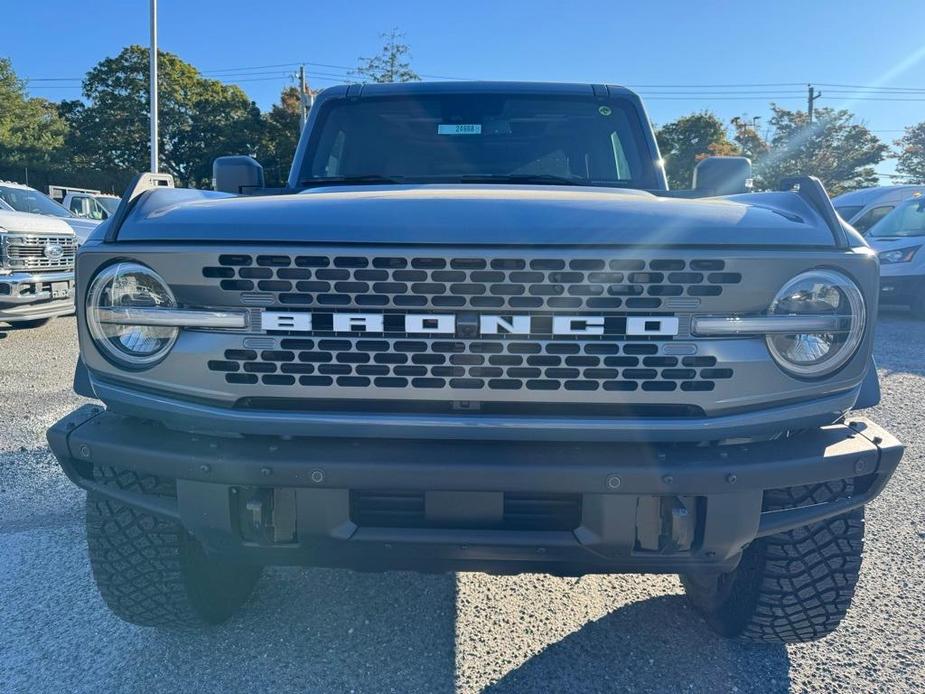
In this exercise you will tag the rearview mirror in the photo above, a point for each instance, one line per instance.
(723, 176)
(241, 175)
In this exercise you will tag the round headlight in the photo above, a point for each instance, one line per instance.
(824, 293)
(127, 286)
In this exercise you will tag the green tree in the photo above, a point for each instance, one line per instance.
(31, 130)
(280, 137)
(687, 140)
(199, 118)
(839, 151)
(748, 140)
(911, 154)
(392, 64)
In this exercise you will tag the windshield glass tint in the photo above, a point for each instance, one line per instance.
(907, 220)
(109, 204)
(848, 211)
(486, 137)
(27, 200)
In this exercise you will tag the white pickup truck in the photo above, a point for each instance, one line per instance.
(16, 196)
(36, 268)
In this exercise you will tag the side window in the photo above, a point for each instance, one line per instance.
(335, 159)
(871, 217)
(76, 206)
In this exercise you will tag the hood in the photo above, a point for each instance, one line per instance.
(82, 227)
(27, 223)
(888, 243)
(468, 214)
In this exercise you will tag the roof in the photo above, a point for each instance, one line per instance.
(460, 86)
(14, 184)
(865, 195)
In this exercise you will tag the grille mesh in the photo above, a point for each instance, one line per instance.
(27, 252)
(475, 283)
(406, 509)
(469, 365)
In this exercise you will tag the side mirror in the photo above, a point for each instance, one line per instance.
(240, 175)
(723, 176)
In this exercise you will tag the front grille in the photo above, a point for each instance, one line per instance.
(470, 365)
(407, 509)
(518, 282)
(32, 252)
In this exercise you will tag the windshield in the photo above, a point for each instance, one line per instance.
(905, 220)
(28, 200)
(109, 204)
(848, 211)
(480, 138)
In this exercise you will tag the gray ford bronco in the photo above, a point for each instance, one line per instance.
(476, 332)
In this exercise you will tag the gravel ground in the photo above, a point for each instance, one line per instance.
(324, 630)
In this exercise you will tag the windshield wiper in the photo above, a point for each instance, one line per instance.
(351, 180)
(526, 179)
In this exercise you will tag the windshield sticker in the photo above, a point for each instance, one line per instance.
(604, 110)
(460, 129)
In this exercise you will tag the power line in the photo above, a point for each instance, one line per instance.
(715, 86)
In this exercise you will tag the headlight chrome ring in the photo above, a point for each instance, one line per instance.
(128, 285)
(818, 293)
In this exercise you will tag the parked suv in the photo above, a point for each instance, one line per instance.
(899, 238)
(476, 331)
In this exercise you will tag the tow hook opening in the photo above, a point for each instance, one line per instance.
(265, 515)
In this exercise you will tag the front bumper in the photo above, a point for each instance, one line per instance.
(187, 415)
(901, 289)
(640, 507)
(34, 296)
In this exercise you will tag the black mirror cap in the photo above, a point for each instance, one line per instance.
(239, 174)
(723, 176)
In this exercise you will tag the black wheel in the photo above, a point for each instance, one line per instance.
(27, 324)
(791, 587)
(150, 571)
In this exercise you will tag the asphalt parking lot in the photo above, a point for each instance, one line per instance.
(326, 630)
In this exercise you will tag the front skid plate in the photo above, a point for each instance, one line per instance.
(610, 478)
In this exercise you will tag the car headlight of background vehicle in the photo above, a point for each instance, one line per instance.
(898, 255)
(126, 286)
(827, 294)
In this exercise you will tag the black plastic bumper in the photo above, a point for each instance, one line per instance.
(901, 290)
(654, 508)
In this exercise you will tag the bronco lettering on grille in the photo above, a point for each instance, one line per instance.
(445, 324)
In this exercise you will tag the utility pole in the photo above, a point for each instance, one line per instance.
(811, 96)
(152, 58)
(303, 111)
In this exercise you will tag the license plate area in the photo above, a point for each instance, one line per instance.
(60, 290)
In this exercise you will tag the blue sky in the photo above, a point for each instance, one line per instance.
(694, 45)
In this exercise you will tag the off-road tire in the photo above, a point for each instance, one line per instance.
(791, 587)
(149, 570)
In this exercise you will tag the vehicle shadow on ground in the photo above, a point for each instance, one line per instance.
(654, 645)
(322, 630)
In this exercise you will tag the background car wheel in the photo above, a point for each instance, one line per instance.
(790, 587)
(918, 307)
(27, 324)
(149, 570)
